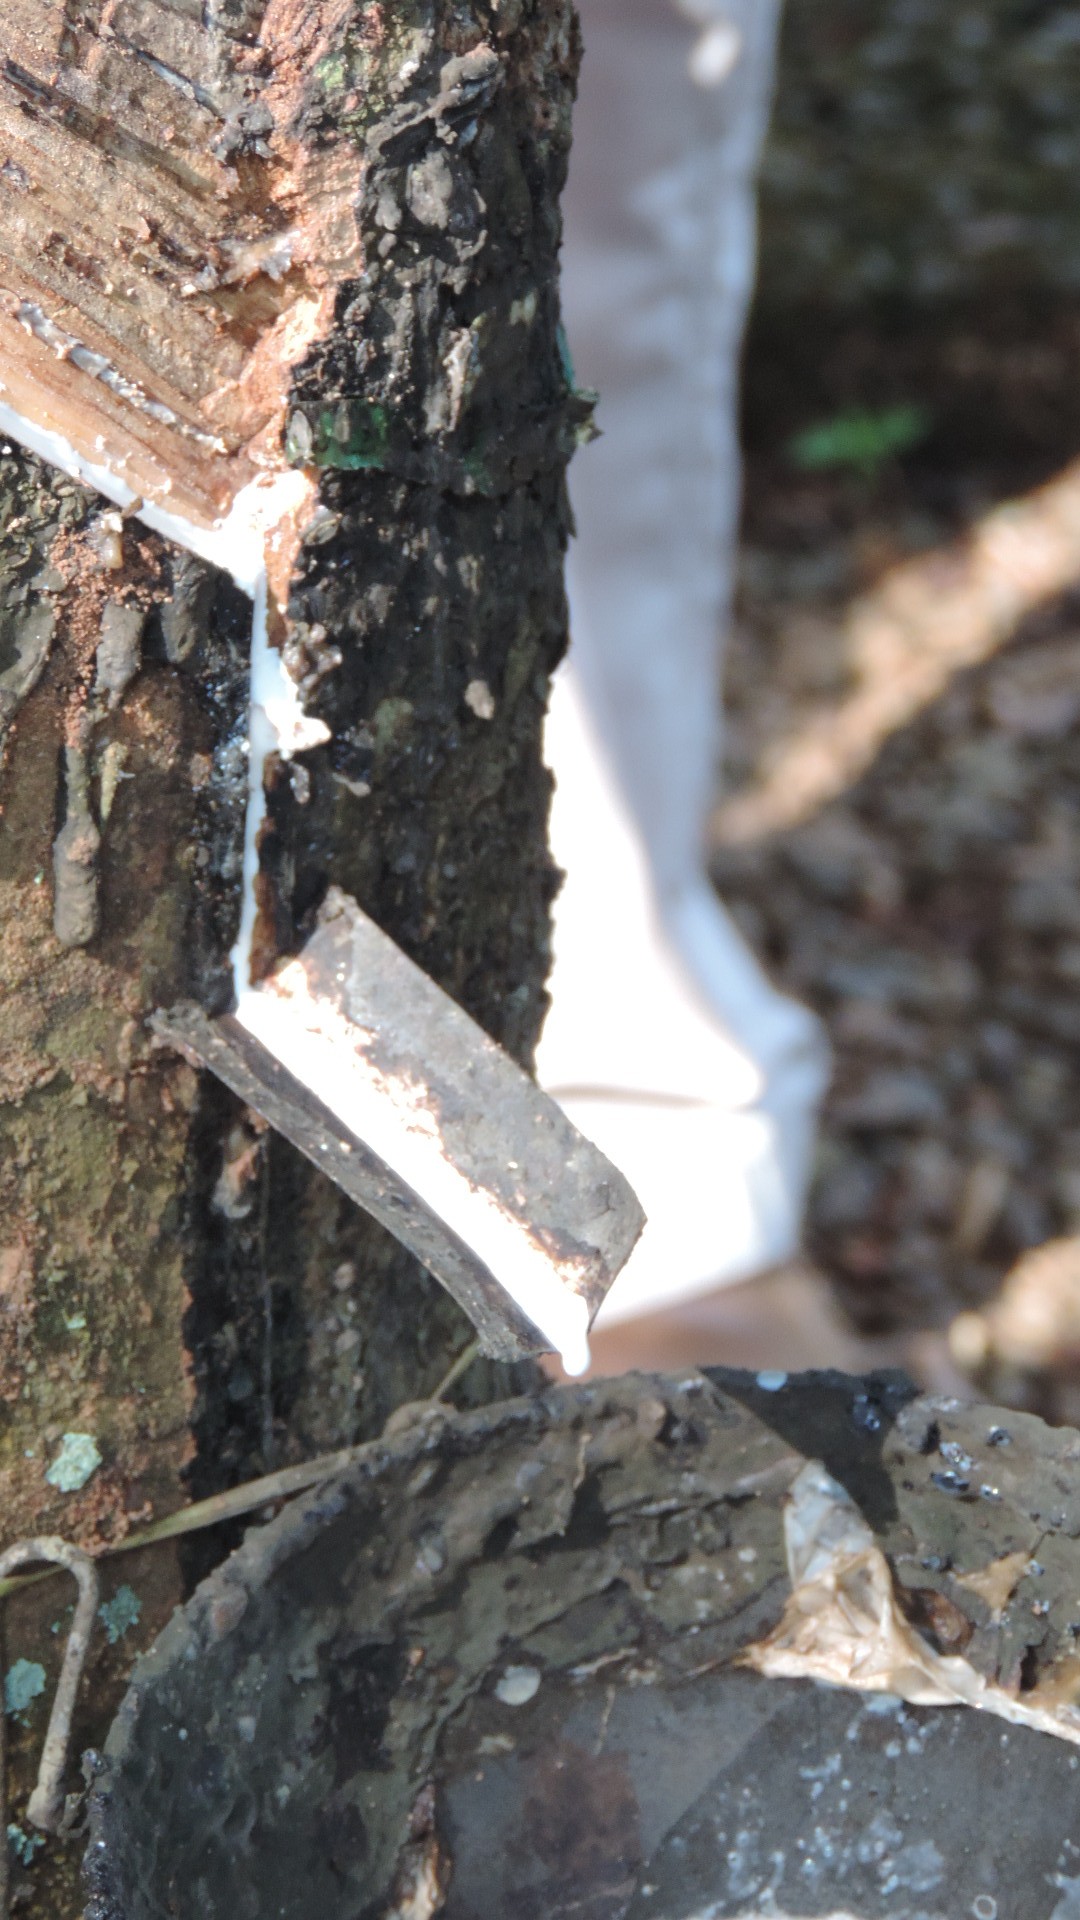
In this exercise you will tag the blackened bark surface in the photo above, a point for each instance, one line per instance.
(426, 614)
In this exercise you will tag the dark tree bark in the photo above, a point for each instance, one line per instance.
(175, 1282)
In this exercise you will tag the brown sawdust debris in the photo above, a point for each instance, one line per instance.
(89, 586)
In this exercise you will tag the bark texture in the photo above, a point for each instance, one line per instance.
(175, 1282)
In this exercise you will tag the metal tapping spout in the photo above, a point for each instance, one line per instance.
(373, 1072)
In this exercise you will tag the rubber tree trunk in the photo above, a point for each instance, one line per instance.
(178, 1289)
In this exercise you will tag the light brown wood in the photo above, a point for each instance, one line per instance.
(170, 237)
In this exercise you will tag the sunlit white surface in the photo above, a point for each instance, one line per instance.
(326, 1053)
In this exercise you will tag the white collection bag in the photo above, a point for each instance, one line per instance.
(665, 1043)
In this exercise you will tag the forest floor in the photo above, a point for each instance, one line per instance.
(899, 836)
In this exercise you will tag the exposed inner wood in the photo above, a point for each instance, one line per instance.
(170, 238)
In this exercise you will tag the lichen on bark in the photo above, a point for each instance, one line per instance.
(95, 1120)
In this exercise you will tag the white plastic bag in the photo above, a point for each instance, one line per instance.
(665, 1042)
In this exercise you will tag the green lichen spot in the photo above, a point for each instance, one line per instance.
(583, 400)
(368, 69)
(77, 1459)
(390, 722)
(566, 360)
(120, 1613)
(23, 1683)
(354, 435)
(332, 73)
(23, 1845)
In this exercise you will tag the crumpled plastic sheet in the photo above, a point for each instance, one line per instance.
(842, 1624)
